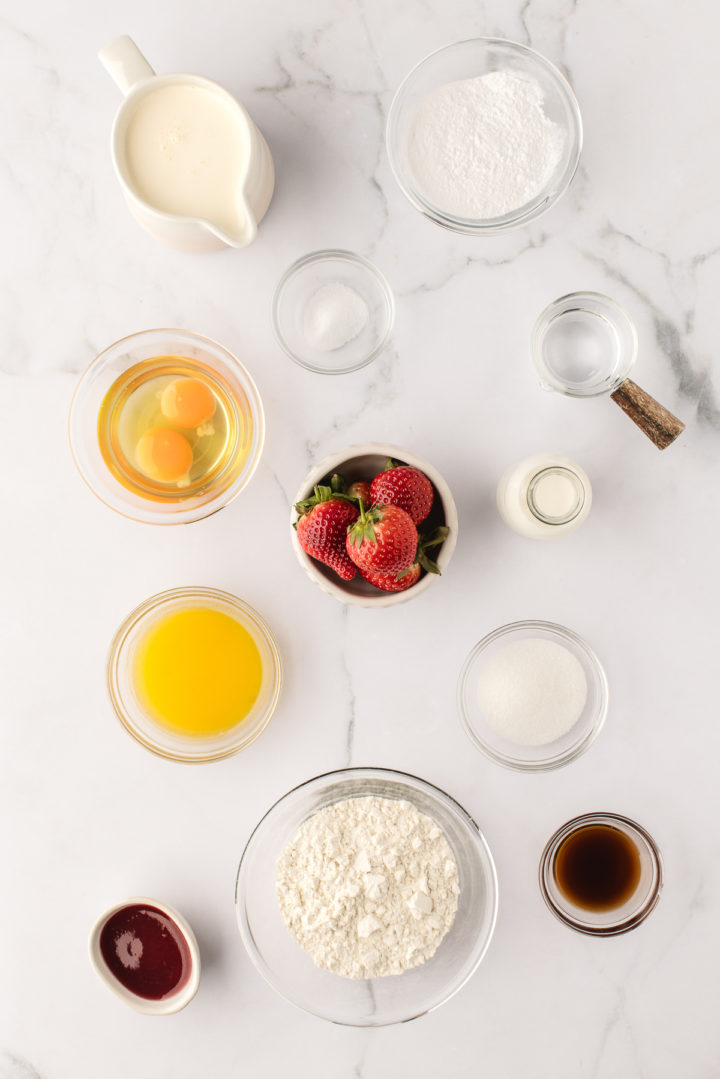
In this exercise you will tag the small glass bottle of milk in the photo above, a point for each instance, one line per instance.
(544, 496)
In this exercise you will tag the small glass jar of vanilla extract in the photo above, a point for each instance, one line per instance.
(601, 874)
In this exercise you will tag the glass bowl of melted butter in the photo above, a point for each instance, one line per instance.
(194, 674)
(166, 427)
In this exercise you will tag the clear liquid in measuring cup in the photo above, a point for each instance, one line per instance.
(581, 350)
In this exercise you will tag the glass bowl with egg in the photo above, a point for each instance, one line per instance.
(532, 696)
(360, 1001)
(166, 426)
(476, 192)
(194, 674)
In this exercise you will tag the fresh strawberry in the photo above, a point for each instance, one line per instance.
(360, 490)
(403, 486)
(383, 539)
(322, 527)
(391, 582)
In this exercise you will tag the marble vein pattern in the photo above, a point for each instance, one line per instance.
(92, 817)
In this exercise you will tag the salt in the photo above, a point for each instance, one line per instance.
(334, 315)
(532, 692)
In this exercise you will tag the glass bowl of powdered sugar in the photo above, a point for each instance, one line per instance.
(484, 135)
(532, 696)
(366, 896)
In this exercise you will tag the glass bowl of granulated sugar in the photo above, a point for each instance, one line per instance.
(484, 135)
(532, 696)
(366, 897)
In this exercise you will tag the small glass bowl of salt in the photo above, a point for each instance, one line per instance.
(333, 312)
(532, 696)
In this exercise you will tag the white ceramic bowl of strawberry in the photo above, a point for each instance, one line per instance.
(363, 462)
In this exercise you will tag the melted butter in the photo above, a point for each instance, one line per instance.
(186, 152)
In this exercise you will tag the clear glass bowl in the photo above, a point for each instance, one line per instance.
(606, 923)
(377, 1001)
(550, 755)
(143, 727)
(300, 283)
(465, 60)
(242, 395)
(583, 344)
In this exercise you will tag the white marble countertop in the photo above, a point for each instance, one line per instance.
(89, 816)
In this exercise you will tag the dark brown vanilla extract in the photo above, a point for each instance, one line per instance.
(597, 868)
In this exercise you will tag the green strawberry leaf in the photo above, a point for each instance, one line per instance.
(425, 541)
(322, 493)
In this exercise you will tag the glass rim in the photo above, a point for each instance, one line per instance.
(579, 487)
(250, 619)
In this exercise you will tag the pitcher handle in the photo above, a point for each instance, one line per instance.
(125, 64)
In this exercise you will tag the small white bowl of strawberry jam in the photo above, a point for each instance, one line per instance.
(146, 953)
(361, 464)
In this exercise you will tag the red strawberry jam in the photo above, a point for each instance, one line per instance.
(146, 951)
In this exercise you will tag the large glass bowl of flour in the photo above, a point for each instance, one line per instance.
(376, 1001)
(484, 135)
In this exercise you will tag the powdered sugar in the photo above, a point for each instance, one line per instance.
(483, 147)
(368, 887)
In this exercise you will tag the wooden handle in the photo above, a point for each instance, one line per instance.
(656, 422)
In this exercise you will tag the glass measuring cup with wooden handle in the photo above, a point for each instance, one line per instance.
(584, 345)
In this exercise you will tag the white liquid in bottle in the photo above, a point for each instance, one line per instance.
(544, 496)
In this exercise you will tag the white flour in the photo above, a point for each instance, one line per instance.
(483, 147)
(368, 887)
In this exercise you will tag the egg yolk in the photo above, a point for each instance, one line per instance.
(188, 402)
(163, 454)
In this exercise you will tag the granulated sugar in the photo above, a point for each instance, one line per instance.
(483, 147)
(532, 692)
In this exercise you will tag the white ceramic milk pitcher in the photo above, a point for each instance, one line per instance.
(195, 170)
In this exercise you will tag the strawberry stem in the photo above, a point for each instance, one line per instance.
(323, 493)
(363, 528)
